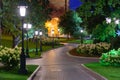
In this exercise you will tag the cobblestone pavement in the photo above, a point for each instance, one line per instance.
(57, 65)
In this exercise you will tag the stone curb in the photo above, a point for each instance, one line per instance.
(34, 73)
(81, 57)
(102, 77)
(86, 67)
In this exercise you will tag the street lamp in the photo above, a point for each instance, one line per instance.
(22, 8)
(53, 38)
(36, 34)
(81, 31)
(27, 26)
(40, 34)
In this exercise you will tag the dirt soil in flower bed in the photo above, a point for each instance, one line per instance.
(74, 53)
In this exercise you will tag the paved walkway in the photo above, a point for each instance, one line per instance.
(57, 65)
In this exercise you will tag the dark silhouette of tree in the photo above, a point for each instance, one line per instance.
(36, 14)
(70, 22)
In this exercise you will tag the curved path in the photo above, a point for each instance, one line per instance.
(57, 65)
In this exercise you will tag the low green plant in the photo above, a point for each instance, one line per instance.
(14, 75)
(10, 57)
(49, 41)
(111, 58)
(93, 49)
(109, 72)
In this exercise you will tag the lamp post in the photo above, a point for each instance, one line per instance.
(27, 26)
(81, 31)
(40, 33)
(36, 34)
(53, 38)
(58, 33)
(22, 8)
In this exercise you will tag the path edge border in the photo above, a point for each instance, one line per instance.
(87, 67)
(81, 57)
(34, 73)
(93, 72)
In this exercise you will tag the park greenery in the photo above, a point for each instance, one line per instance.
(93, 49)
(109, 72)
(37, 14)
(111, 58)
(94, 14)
(12, 74)
(10, 57)
(70, 23)
(90, 16)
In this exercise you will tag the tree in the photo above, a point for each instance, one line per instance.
(70, 22)
(10, 20)
(101, 9)
(39, 12)
(1, 7)
(94, 12)
(36, 14)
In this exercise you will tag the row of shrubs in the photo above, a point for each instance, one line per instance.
(10, 57)
(111, 58)
(50, 42)
(93, 49)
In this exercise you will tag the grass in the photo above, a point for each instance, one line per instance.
(32, 51)
(76, 41)
(13, 74)
(7, 41)
(110, 72)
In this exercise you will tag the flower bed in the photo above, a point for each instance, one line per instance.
(10, 57)
(93, 49)
(111, 58)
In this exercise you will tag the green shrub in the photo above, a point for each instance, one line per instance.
(93, 49)
(111, 58)
(10, 57)
(49, 42)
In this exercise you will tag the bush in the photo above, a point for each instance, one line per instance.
(49, 42)
(93, 49)
(10, 57)
(111, 58)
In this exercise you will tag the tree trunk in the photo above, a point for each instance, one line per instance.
(115, 42)
(67, 36)
(16, 40)
(1, 6)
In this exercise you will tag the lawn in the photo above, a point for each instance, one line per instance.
(76, 41)
(13, 74)
(7, 41)
(109, 72)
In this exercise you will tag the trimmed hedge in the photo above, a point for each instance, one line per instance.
(111, 58)
(93, 49)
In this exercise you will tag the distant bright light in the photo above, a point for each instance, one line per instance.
(40, 33)
(58, 30)
(81, 31)
(27, 25)
(108, 20)
(36, 32)
(52, 31)
(117, 21)
(118, 32)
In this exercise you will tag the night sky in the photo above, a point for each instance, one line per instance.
(73, 4)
